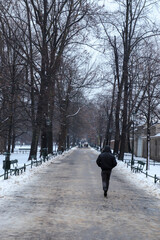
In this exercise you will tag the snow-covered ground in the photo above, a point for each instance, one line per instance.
(21, 154)
(14, 182)
(139, 179)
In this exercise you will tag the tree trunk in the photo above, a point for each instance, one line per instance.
(124, 123)
(37, 124)
(119, 97)
(13, 141)
(126, 45)
(117, 130)
(62, 138)
(50, 140)
(34, 143)
(109, 130)
(148, 128)
(9, 135)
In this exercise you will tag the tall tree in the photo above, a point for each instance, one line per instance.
(129, 29)
(46, 27)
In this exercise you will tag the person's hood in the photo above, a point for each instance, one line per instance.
(107, 149)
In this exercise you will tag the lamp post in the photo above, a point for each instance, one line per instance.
(133, 119)
(6, 164)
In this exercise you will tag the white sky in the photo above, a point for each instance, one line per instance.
(111, 5)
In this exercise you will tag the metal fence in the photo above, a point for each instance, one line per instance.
(153, 163)
(34, 162)
(127, 160)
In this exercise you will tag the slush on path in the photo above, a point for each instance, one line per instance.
(65, 201)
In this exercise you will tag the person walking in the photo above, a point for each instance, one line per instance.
(106, 161)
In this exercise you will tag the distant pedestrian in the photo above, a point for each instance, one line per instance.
(106, 161)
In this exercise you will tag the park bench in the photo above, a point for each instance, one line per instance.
(8, 164)
(156, 179)
(13, 162)
(24, 149)
(139, 167)
(17, 169)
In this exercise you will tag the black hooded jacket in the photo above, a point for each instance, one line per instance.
(106, 160)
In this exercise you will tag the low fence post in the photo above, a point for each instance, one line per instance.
(155, 179)
(6, 164)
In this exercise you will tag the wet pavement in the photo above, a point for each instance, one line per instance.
(64, 201)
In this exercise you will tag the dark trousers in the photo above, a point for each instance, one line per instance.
(105, 179)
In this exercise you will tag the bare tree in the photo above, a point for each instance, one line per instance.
(46, 28)
(130, 27)
(12, 75)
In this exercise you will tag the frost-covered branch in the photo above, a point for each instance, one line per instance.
(72, 115)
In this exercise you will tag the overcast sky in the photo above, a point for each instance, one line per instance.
(111, 5)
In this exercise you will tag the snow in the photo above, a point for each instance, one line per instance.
(139, 179)
(157, 135)
(21, 153)
(15, 182)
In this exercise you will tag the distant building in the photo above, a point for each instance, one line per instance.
(140, 142)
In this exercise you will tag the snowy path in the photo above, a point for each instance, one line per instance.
(64, 201)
